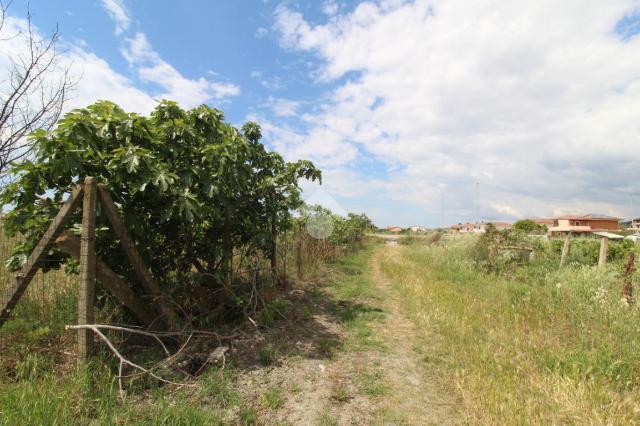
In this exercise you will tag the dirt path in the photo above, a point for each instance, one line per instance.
(353, 363)
(415, 398)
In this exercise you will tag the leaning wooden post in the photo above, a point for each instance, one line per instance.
(604, 245)
(87, 267)
(132, 253)
(565, 249)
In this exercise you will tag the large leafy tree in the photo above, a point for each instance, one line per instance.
(189, 186)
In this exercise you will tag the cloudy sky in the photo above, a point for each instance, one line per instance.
(409, 107)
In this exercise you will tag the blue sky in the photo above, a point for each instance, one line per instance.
(404, 104)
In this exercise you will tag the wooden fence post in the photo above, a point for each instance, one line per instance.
(565, 249)
(627, 290)
(87, 267)
(604, 245)
(71, 244)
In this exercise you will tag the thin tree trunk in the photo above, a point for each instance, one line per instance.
(299, 255)
(227, 249)
(274, 250)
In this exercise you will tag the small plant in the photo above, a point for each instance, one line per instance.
(248, 416)
(273, 399)
(306, 313)
(268, 354)
(326, 419)
(340, 393)
(372, 384)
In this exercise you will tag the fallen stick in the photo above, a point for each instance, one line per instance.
(124, 361)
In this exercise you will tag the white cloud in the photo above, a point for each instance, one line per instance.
(94, 77)
(261, 32)
(97, 80)
(324, 199)
(119, 15)
(270, 83)
(507, 210)
(151, 68)
(283, 107)
(322, 145)
(535, 100)
(330, 7)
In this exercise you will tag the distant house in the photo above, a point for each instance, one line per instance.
(631, 223)
(418, 229)
(501, 226)
(393, 229)
(467, 227)
(583, 224)
(546, 222)
(478, 227)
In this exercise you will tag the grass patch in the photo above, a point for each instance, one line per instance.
(340, 393)
(89, 395)
(372, 383)
(273, 399)
(355, 299)
(538, 345)
(326, 419)
(268, 354)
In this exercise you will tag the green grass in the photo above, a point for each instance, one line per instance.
(273, 399)
(372, 383)
(340, 393)
(536, 345)
(42, 395)
(41, 391)
(326, 419)
(355, 300)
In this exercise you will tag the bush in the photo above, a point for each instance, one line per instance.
(190, 188)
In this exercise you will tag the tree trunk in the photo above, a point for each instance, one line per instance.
(299, 256)
(227, 249)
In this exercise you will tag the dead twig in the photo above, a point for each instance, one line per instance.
(95, 328)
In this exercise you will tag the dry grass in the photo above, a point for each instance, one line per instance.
(542, 347)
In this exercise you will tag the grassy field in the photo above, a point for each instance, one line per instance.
(538, 345)
(396, 333)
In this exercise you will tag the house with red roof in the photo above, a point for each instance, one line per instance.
(584, 224)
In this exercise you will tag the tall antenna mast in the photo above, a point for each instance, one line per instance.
(442, 224)
(478, 204)
(631, 208)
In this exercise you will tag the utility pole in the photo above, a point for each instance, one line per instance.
(478, 205)
(631, 208)
(442, 224)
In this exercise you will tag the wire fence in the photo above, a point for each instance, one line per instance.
(48, 295)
